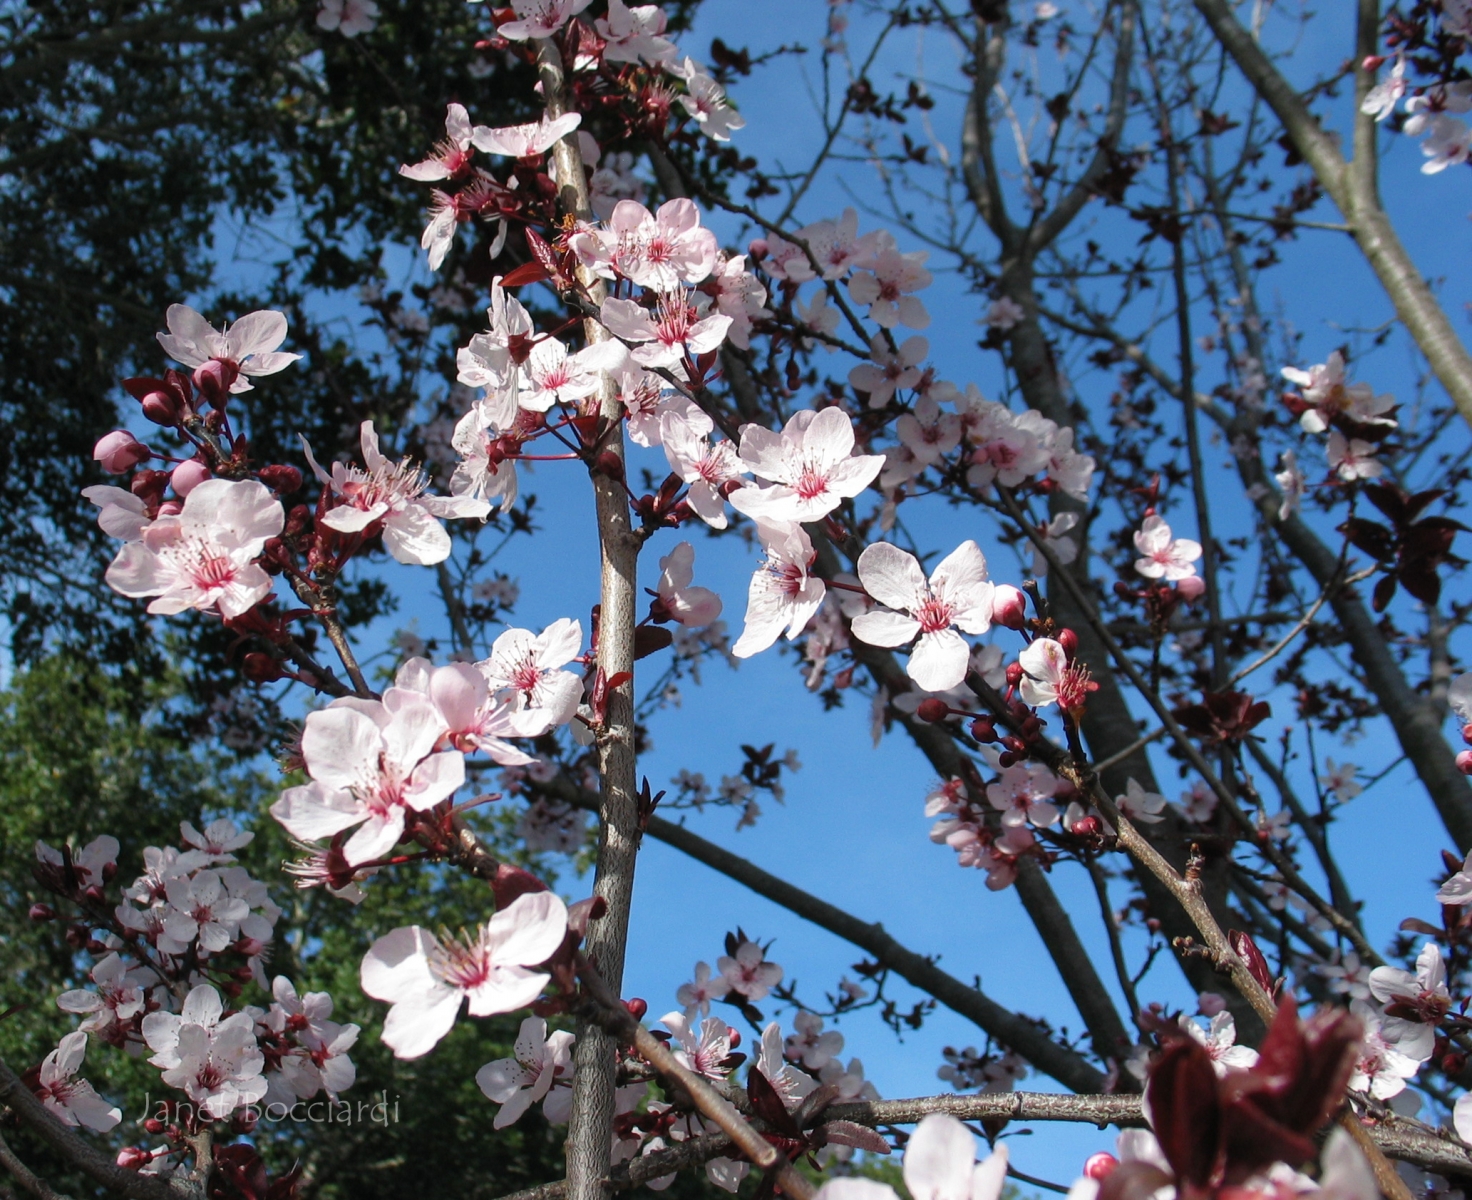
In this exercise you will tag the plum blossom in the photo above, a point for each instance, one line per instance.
(1164, 556)
(1415, 1004)
(249, 345)
(739, 295)
(708, 467)
(1347, 976)
(704, 1050)
(1448, 140)
(1139, 805)
(204, 557)
(674, 331)
(392, 496)
(540, 1063)
(748, 972)
(1327, 394)
(348, 17)
(706, 101)
(525, 141)
(697, 995)
(121, 515)
(890, 369)
(218, 839)
(635, 34)
(70, 1100)
(530, 666)
(368, 766)
(451, 156)
(1220, 1041)
(1049, 677)
(1009, 447)
(1339, 778)
(811, 463)
(819, 316)
(782, 594)
(1198, 803)
(118, 997)
(1022, 794)
(692, 607)
(539, 18)
(200, 909)
(957, 594)
(787, 1081)
(1352, 458)
(836, 244)
(552, 376)
(1292, 484)
(91, 865)
(473, 719)
(928, 433)
(886, 286)
(213, 1059)
(1003, 313)
(425, 979)
(485, 472)
(940, 1163)
(1380, 100)
(1055, 537)
(810, 1044)
(660, 250)
(1383, 1068)
(1457, 890)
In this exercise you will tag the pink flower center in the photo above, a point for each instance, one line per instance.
(674, 319)
(934, 615)
(810, 483)
(461, 963)
(526, 675)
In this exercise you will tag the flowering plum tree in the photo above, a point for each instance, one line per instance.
(623, 340)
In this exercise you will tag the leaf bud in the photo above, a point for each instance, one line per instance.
(281, 479)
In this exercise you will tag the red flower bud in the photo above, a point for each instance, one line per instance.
(1467, 734)
(162, 408)
(133, 1158)
(149, 486)
(1069, 641)
(283, 480)
(1009, 607)
(610, 464)
(1464, 762)
(637, 1007)
(153, 1125)
(1086, 827)
(933, 710)
(214, 380)
(757, 248)
(42, 912)
(1014, 674)
(984, 729)
(119, 452)
(1100, 1166)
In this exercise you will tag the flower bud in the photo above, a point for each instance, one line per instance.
(214, 380)
(735, 1036)
(153, 1125)
(984, 729)
(133, 1158)
(163, 409)
(1007, 759)
(170, 508)
(149, 486)
(1014, 674)
(637, 1007)
(932, 709)
(610, 464)
(1467, 734)
(1069, 641)
(757, 248)
(1100, 1166)
(119, 452)
(94, 894)
(1009, 607)
(1464, 762)
(42, 912)
(261, 668)
(283, 480)
(188, 475)
(1086, 827)
(1191, 588)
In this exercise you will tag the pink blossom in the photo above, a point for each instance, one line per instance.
(392, 497)
(811, 462)
(748, 972)
(1067, 468)
(1003, 313)
(708, 467)
(425, 979)
(1050, 678)
(348, 17)
(484, 472)
(928, 433)
(836, 244)
(204, 557)
(1164, 556)
(1351, 458)
(782, 594)
(451, 156)
(249, 345)
(635, 34)
(1010, 447)
(659, 250)
(790, 1084)
(1139, 805)
(1022, 794)
(890, 370)
(527, 667)
(739, 295)
(674, 331)
(213, 1059)
(1383, 1068)
(119, 995)
(552, 376)
(706, 101)
(1328, 394)
(218, 839)
(1291, 481)
(693, 607)
(809, 1044)
(1220, 1043)
(697, 995)
(1198, 803)
(704, 1051)
(70, 1100)
(91, 865)
(539, 1063)
(1380, 100)
(368, 766)
(957, 594)
(886, 287)
(540, 18)
(525, 141)
(473, 718)
(119, 452)
(1419, 1000)
(1055, 538)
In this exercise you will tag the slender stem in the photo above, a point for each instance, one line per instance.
(590, 1130)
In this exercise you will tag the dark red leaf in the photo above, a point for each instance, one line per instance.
(532, 272)
(1246, 949)
(1383, 592)
(1182, 1094)
(650, 639)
